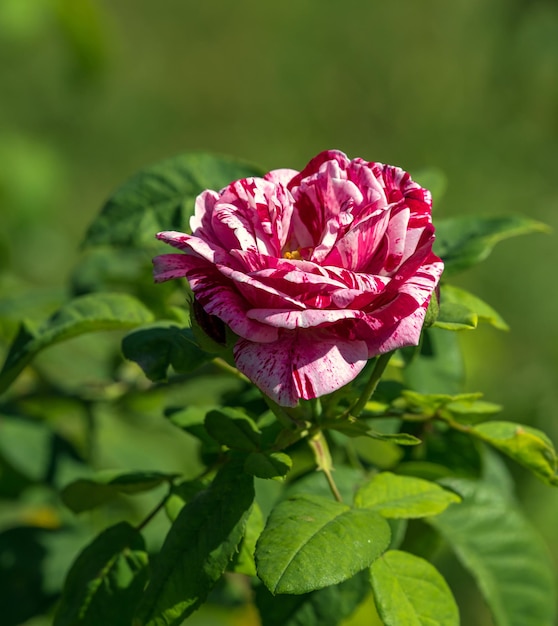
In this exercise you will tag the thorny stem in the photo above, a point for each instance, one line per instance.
(357, 408)
(322, 456)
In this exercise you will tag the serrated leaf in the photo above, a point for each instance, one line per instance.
(94, 312)
(462, 242)
(409, 590)
(268, 464)
(161, 197)
(502, 552)
(233, 428)
(181, 494)
(157, 347)
(526, 445)
(304, 544)
(395, 496)
(106, 580)
(88, 493)
(479, 309)
(197, 549)
(325, 607)
(243, 562)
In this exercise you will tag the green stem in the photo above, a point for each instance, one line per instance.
(153, 513)
(357, 408)
(322, 456)
(222, 364)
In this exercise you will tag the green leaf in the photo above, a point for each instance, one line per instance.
(106, 581)
(455, 316)
(157, 347)
(304, 544)
(197, 549)
(409, 590)
(502, 552)
(439, 366)
(355, 428)
(325, 607)
(88, 493)
(181, 494)
(243, 562)
(526, 445)
(465, 241)
(192, 420)
(470, 411)
(268, 464)
(161, 197)
(403, 496)
(465, 406)
(95, 312)
(26, 445)
(233, 428)
(477, 308)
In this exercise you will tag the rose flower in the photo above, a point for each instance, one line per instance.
(316, 271)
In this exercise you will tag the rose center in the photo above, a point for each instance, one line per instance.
(295, 255)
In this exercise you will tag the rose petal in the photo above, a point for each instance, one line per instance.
(300, 364)
(217, 296)
(291, 320)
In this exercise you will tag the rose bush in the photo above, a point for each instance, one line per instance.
(316, 271)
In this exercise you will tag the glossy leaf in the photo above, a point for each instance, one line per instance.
(462, 242)
(325, 607)
(526, 445)
(455, 316)
(268, 464)
(502, 552)
(88, 493)
(304, 544)
(409, 590)
(233, 428)
(161, 197)
(106, 581)
(395, 496)
(197, 549)
(95, 312)
(157, 347)
(477, 309)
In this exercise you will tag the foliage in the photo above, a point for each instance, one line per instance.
(242, 500)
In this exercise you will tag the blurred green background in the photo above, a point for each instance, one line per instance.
(91, 91)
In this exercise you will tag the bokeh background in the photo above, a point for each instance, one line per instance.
(92, 90)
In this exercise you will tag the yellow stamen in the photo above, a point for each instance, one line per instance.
(295, 255)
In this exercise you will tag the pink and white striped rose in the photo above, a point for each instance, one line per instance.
(316, 271)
